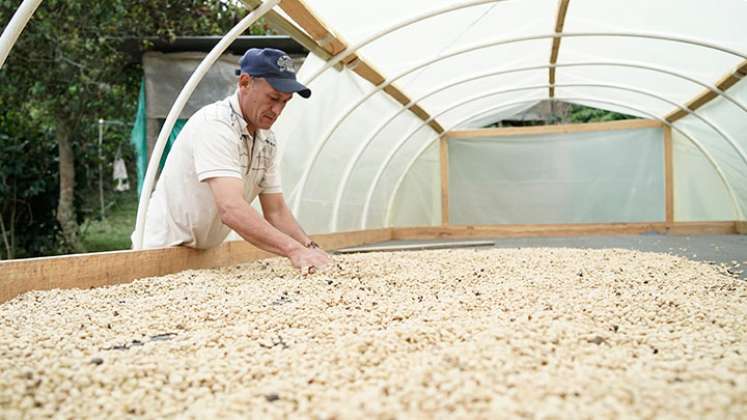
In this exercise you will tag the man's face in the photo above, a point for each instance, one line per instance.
(260, 103)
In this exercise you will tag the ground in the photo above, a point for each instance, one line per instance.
(113, 232)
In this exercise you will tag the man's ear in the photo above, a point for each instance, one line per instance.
(244, 80)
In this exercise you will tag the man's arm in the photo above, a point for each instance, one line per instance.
(276, 212)
(237, 214)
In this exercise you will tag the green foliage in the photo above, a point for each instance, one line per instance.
(28, 188)
(585, 114)
(65, 72)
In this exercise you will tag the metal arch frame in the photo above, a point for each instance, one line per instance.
(364, 145)
(711, 160)
(297, 194)
(15, 27)
(410, 21)
(376, 178)
(394, 28)
(176, 109)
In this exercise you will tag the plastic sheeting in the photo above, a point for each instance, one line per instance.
(139, 138)
(449, 63)
(694, 179)
(558, 178)
(166, 74)
(732, 159)
(424, 207)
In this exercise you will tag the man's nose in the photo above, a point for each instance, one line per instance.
(277, 108)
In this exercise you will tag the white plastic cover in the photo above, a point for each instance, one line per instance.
(448, 60)
(597, 177)
(166, 74)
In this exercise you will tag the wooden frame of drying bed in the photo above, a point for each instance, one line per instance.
(108, 268)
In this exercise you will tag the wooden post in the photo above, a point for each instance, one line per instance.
(668, 176)
(444, 166)
(559, 23)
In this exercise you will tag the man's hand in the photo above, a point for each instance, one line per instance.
(309, 260)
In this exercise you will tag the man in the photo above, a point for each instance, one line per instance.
(226, 156)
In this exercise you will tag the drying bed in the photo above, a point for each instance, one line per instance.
(464, 333)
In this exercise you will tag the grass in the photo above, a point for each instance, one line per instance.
(113, 232)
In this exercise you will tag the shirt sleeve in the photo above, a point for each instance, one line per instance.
(270, 183)
(217, 151)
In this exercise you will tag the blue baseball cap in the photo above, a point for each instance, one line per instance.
(275, 66)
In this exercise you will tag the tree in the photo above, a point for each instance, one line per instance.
(66, 69)
(586, 114)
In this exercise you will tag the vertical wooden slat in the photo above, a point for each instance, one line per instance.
(668, 176)
(444, 165)
(559, 23)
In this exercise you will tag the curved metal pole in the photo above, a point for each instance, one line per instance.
(364, 145)
(407, 22)
(15, 27)
(394, 28)
(176, 109)
(297, 194)
(700, 147)
(389, 157)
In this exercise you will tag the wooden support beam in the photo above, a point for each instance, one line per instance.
(326, 44)
(742, 228)
(366, 71)
(282, 25)
(668, 176)
(496, 231)
(107, 268)
(726, 82)
(559, 23)
(306, 19)
(556, 129)
(443, 149)
(404, 100)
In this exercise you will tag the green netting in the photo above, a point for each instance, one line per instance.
(174, 132)
(139, 138)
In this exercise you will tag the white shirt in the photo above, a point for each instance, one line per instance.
(214, 143)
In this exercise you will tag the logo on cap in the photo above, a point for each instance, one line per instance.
(286, 64)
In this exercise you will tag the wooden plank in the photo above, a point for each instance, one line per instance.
(494, 231)
(403, 99)
(333, 44)
(418, 246)
(443, 149)
(282, 25)
(726, 82)
(107, 268)
(556, 129)
(668, 176)
(366, 71)
(559, 23)
(306, 19)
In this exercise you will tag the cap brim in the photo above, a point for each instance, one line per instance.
(289, 86)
